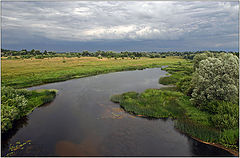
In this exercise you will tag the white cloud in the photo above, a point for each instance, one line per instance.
(86, 21)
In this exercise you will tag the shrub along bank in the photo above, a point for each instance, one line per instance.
(16, 103)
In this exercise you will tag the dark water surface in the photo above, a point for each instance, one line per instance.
(82, 121)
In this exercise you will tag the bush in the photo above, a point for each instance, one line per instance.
(225, 114)
(224, 121)
(13, 106)
(198, 58)
(12, 97)
(132, 56)
(8, 114)
(16, 103)
(185, 85)
(216, 78)
(24, 92)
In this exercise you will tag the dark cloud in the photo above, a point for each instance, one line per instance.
(116, 25)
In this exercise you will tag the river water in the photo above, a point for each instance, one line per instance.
(82, 121)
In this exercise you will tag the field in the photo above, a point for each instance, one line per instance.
(23, 73)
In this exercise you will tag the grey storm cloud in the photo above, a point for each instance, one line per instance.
(211, 23)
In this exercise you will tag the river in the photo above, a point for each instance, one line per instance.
(82, 121)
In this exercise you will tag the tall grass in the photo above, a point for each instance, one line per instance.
(151, 103)
(38, 98)
(230, 138)
(177, 71)
(198, 130)
(169, 80)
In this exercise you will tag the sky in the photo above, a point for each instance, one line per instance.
(120, 26)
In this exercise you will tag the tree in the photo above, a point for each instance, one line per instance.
(45, 52)
(32, 52)
(85, 53)
(197, 59)
(132, 57)
(37, 52)
(216, 78)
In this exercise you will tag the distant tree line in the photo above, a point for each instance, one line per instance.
(13, 54)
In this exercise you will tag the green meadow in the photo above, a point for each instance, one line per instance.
(30, 72)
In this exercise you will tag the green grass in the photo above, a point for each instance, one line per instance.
(193, 113)
(38, 98)
(31, 72)
(159, 103)
(230, 138)
(177, 71)
(169, 80)
(151, 103)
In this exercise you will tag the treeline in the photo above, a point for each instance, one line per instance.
(12, 54)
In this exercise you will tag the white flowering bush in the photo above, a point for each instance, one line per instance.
(13, 106)
(216, 78)
(198, 58)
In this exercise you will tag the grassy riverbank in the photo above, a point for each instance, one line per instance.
(215, 121)
(30, 72)
(18, 103)
(178, 71)
(157, 103)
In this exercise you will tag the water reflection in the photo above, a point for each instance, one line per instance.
(6, 137)
(89, 146)
(208, 149)
(18, 124)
